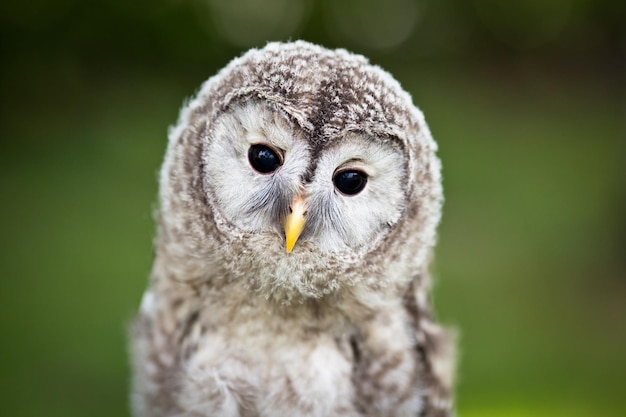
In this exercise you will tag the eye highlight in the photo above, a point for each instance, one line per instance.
(264, 159)
(350, 182)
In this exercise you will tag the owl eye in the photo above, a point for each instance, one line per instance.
(264, 159)
(350, 182)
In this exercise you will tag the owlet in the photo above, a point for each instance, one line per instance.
(298, 205)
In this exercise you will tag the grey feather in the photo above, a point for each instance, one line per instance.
(232, 325)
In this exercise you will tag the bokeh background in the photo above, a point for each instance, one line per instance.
(525, 97)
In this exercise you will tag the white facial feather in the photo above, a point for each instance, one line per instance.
(352, 221)
(244, 195)
(337, 222)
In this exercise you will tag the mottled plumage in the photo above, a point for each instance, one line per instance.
(232, 324)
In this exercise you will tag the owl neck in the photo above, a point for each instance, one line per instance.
(175, 282)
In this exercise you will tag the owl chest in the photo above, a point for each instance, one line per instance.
(251, 370)
(232, 374)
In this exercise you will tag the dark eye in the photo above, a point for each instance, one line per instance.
(264, 159)
(350, 182)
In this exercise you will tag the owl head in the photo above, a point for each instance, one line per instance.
(299, 171)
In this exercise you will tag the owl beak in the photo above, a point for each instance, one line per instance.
(294, 223)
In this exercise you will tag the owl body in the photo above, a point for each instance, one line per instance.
(298, 204)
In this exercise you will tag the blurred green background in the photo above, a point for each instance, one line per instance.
(525, 97)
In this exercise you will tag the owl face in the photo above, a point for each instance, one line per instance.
(265, 176)
(299, 172)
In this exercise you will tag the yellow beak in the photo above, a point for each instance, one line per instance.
(294, 223)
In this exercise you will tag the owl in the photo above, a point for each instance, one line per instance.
(298, 205)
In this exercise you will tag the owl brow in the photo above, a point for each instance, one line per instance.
(351, 161)
(382, 139)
